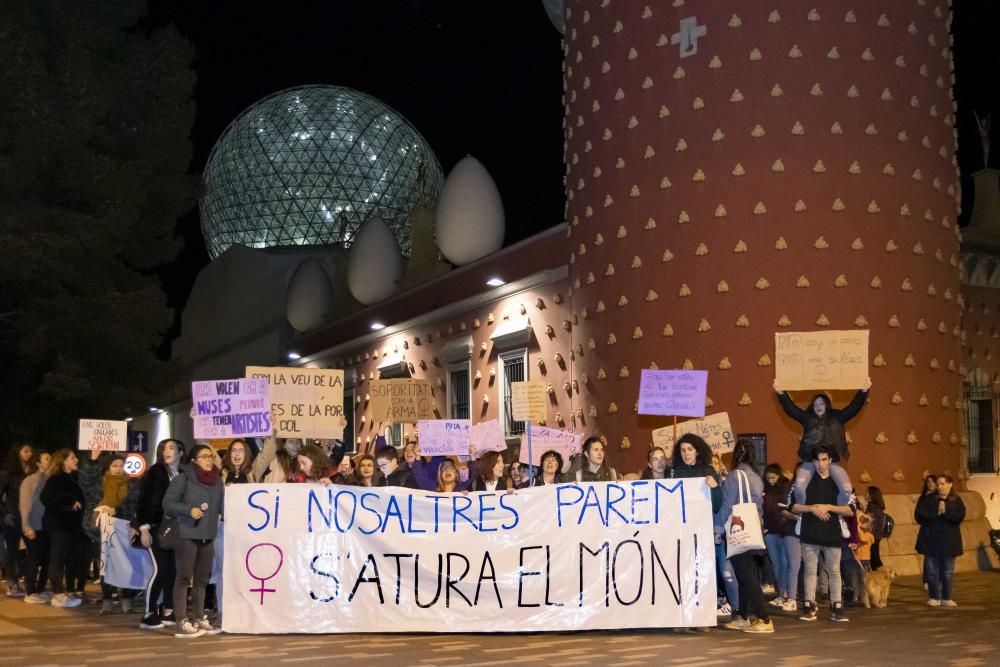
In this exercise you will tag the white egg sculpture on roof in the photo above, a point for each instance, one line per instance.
(375, 262)
(309, 296)
(470, 220)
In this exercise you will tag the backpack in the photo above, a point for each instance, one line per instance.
(887, 525)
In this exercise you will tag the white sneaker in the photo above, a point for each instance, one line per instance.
(207, 626)
(724, 610)
(948, 603)
(36, 598)
(790, 605)
(777, 602)
(65, 601)
(188, 630)
(933, 603)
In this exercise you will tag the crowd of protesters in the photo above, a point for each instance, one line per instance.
(821, 538)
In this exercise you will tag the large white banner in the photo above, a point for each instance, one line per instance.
(313, 559)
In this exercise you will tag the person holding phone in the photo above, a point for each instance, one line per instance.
(940, 516)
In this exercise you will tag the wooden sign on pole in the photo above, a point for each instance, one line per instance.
(529, 401)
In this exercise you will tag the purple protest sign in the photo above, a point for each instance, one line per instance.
(674, 393)
(239, 408)
(487, 437)
(543, 439)
(443, 437)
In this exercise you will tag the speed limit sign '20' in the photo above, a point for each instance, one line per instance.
(135, 465)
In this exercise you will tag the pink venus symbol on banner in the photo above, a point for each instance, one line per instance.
(281, 560)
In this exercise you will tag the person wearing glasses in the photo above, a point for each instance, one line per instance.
(195, 499)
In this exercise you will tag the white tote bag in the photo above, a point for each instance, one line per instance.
(743, 531)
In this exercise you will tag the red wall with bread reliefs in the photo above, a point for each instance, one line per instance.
(796, 173)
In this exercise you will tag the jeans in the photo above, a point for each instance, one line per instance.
(831, 564)
(839, 475)
(938, 571)
(751, 596)
(66, 554)
(725, 569)
(36, 569)
(793, 551)
(194, 569)
(779, 562)
(162, 581)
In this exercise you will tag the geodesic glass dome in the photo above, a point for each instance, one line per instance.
(308, 165)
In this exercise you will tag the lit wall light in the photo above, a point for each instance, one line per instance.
(294, 355)
(495, 282)
(377, 326)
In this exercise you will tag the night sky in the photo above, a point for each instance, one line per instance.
(477, 77)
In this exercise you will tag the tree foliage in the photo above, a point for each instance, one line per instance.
(95, 116)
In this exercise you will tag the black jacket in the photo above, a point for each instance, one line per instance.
(477, 483)
(830, 427)
(399, 477)
(684, 471)
(149, 509)
(61, 492)
(10, 495)
(940, 534)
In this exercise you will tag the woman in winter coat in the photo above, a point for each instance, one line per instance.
(822, 424)
(147, 520)
(194, 498)
(549, 470)
(108, 490)
(63, 521)
(36, 540)
(875, 508)
(940, 516)
(751, 597)
(490, 476)
(13, 473)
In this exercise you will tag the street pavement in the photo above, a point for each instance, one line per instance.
(906, 633)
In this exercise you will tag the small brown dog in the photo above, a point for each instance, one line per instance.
(877, 586)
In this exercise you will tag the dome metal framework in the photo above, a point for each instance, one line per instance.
(308, 165)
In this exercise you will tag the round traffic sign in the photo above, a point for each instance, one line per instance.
(135, 464)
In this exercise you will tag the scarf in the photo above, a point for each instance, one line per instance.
(207, 477)
(115, 490)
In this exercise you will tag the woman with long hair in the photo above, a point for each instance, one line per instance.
(194, 498)
(447, 477)
(36, 540)
(491, 477)
(367, 473)
(657, 465)
(595, 463)
(148, 517)
(14, 471)
(940, 516)
(776, 527)
(63, 521)
(313, 466)
(875, 508)
(237, 463)
(107, 490)
(751, 596)
(549, 470)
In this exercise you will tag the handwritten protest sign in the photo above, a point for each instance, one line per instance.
(529, 401)
(305, 402)
(552, 558)
(405, 400)
(543, 439)
(714, 429)
(821, 359)
(237, 408)
(487, 437)
(676, 393)
(110, 436)
(443, 437)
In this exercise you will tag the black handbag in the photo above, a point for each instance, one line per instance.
(166, 534)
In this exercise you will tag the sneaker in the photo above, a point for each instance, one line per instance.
(724, 610)
(168, 619)
(837, 614)
(790, 605)
(760, 627)
(36, 598)
(207, 626)
(778, 602)
(933, 603)
(738, 623)
(808, 612)
(150, 622)
(107, 607)
(948, 603)
(767, 589)
(15, 590)
(65, 601)
(188, 630)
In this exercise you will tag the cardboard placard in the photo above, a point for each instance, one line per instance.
(305, 402)
(714, 429)
(108, 435)
(672, 393)
(402, 400)
(529, 401)
(238, 408)
(543, 439)
(821, 359)
(443, 437)
(487, 437)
